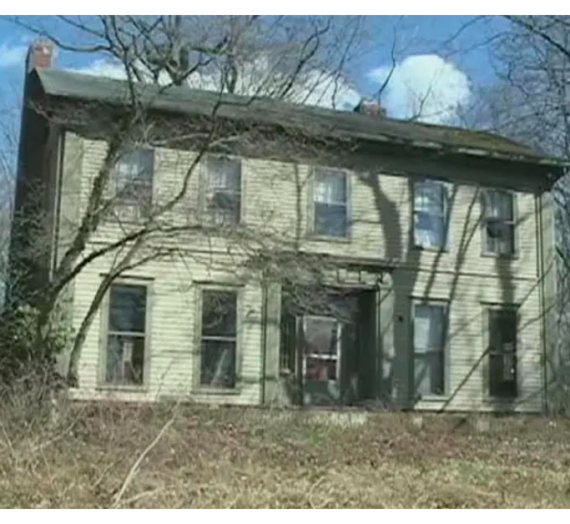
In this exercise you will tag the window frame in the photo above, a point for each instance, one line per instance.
(119, 205)
(102, 383)
(486, 309)
(483, 203)
(302, 321)
(446, 213)
(440, 302)
(197, 385)
(312, 215)
(207, 215)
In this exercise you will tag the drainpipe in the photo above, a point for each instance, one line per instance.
(263, 337)
(541, 278)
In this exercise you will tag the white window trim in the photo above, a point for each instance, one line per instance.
(446, 213)
(312, 215)
(482, 202)
(104, 335)
(445, 303)
(197, 386)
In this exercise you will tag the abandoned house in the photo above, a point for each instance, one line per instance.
(432, 246)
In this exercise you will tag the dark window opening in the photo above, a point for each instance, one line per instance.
(125, 360)
(502, 353)
(219, 338)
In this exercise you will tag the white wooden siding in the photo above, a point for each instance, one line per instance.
(277, 201)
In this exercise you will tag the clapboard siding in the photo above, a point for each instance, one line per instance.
(277, 204)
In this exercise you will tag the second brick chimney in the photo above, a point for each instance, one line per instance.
(370, 107)
(42, 53)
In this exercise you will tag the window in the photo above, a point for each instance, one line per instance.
(223, 191)
(126, 335)
(502, 352)
(430, 214)
(430, 327)
(133, 179)
(321, 356)
(499, 222)
(331, 206)
(219, 338)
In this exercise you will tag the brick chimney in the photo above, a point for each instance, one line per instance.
(42, 53)
(370, 107)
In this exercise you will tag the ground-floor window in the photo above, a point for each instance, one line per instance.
(429, 343)
(126, 335)
(502, 325)
(218, 345)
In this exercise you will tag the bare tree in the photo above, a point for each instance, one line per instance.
(283, 58)
(530, 103)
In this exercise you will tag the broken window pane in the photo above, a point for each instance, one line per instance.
(428, 373)
(218, 363)
(125, 360)
(127, 308)
(219, 313)
(219, 338)
(126, 335)
(429, 348)
(330, 200)
(321, 336)
(430, 208)
(502, 353)
(224, 190)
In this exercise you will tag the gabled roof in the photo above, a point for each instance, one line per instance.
(315, 120)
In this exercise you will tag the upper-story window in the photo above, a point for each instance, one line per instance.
(430, 214)
(498, 222)
(223, 190)
(331, 203)
(133, 174)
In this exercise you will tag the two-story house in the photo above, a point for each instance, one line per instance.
(436, 245)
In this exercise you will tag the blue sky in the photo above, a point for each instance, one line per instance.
(424, 61)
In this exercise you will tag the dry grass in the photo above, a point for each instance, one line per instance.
(247, 457)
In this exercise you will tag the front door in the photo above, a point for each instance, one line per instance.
(328, 353)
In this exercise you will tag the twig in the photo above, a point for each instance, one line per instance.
(137, 463)
(143, 494)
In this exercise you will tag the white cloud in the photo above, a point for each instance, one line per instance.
(257, 77)
(427, 85)
(103, 68)
(12, 55)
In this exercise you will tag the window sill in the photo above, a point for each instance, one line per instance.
(433, 398)
(123, 388)
(325, 238)
(206, 390)
(487, 254)
(432, 249)
(500, 400)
